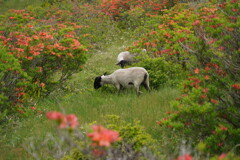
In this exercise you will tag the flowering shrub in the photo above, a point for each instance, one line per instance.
(14, 84)
(99, 143)
(43, 49)
(115, 8)
(203, 40)
(133, 13)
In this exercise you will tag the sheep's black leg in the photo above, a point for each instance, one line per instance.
(146, 86)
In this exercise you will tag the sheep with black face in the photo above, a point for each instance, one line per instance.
(124, 78)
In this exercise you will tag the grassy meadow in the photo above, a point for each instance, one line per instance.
(51, 51)
(90, 105)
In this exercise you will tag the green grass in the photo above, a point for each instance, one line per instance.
(90, 105)
(5, 5)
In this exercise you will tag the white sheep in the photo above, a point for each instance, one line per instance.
(124, 78)
(127, 58)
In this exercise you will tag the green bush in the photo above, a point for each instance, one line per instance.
(14, 85)
(135, 143)
(162, 72)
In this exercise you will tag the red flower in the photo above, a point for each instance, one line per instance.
(20, 111)
(207, 77)
(222, 156)
(185, 157)
(214, 101)
(203, 96)
(236, 86)
(103, 136)
(196, 71)
(33, 108)
(220, 144)
(196, 23)
(30, 58)
(30, 26)
(205, 90)
(42, 85)
(223, 128)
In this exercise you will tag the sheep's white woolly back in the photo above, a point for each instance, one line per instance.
(127, 56)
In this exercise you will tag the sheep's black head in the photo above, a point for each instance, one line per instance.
(97, 82)
(123, 63)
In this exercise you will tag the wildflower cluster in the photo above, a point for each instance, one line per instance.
(63, 120)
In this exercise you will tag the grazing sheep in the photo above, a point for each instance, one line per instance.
(126, 58)
(124, 78)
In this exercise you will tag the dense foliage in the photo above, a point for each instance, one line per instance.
(204, 40)
(193, 46)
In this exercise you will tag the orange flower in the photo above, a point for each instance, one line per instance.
(103, 136)
(214, 101)
(42, 85)
(223, 128)
(72, 120)
(63, 120)
(33, 108)
(236, 86)
(207, 77)
(185, 157)
(196, 71)
(196, 23)
(30, 26)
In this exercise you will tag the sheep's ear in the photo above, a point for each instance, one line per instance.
(105, 73)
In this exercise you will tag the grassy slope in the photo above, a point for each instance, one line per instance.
(5, 5)
(90, 105)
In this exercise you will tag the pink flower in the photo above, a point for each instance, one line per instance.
(196, 23)
(54, 115)
(185, 157)
(63, 120)
(72, 120)
(222, 156)
(103, 136)
(33, 108)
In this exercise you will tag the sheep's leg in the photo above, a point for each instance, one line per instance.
(118, 86)
(146, 86)
(137, 90)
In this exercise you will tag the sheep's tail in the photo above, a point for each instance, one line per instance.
(145, 78)
(145, 81)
